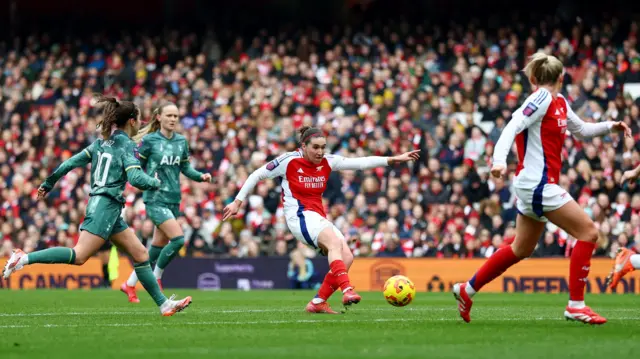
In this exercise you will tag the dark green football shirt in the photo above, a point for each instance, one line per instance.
(166, 158)
(113, 162)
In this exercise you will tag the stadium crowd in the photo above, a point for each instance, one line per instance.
(374, 91)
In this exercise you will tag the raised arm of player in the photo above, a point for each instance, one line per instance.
(273, 169)
(80, 159)
(582, 130)
(532, 111)
(338, 163)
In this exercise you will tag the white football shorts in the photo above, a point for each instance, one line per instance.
(307, 225)
(534, 202)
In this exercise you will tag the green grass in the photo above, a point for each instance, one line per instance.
(272, 324)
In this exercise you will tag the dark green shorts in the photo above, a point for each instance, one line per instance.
(103, 217)
(162, 212)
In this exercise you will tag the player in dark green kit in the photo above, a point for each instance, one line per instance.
(114, 161)
(165, 153)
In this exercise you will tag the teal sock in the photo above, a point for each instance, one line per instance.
(145, 276)
(53, 255)
(154, 253)
(170, 251)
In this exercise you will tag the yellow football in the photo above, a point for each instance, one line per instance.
(399, 291)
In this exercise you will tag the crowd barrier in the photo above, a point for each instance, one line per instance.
(367, 274)
(244, 274)
(529, 276)
(63, 276)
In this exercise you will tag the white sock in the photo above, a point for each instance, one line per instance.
(158, 272)
(469, 289)
(24, 260)
(317, 300)
(346, 289)
(577, 304)
(133, 279)
(635, 261)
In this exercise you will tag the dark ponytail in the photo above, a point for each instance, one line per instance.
(114, 112)
(306, 133)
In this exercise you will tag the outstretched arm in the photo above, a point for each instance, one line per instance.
(583, 130)
(358, 163)
(338, 163)
(80, 159)
(273, 169)
(251, 182)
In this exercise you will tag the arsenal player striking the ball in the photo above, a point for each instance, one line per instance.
(304, 176)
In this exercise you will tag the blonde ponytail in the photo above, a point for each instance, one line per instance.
(154, 125)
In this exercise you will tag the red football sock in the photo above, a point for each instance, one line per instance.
(497, 264)
(326, 288)
(340, 276)
(579, 269)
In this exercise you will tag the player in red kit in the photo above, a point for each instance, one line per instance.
(539, 128)
(304, 176)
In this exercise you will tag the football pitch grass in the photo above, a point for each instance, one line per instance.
(272, 324)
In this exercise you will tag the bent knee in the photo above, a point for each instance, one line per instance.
(591, 233)
(179, 241)
(81, 257)
(346, 253)
(80, 260)
(140, 255)
(347, 256)
(329, 240)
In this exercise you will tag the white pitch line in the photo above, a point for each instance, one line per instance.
(15, 326)
(131, 313)
(205, 311)
(291, 310)
(293, 321)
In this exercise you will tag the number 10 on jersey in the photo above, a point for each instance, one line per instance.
(102, 169)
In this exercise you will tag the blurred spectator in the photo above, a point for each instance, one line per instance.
(391, 248)
(549, 247)
(392, 88)
(301, 273)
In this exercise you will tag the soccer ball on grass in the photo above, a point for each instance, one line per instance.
(399, 291)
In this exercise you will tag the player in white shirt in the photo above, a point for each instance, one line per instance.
(304, 176)
(539, 127)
